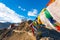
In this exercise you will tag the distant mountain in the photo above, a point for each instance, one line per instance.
(4, 25)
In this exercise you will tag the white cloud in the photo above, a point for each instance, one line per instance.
(8, 15)
(21, 8)
(32, 13)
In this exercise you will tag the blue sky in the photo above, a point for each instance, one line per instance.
(27, 8)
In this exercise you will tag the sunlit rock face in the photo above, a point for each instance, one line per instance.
(54, 10)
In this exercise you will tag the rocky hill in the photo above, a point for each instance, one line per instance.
(21, 32)
(24, 32)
